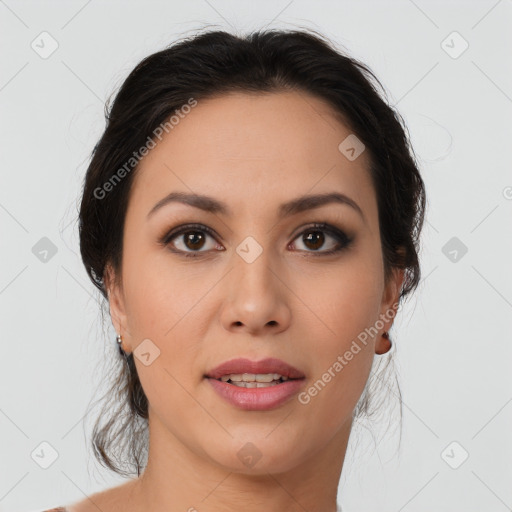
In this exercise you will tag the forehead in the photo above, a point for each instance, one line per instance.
(253, 149)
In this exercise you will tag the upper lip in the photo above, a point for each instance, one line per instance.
(268, 365)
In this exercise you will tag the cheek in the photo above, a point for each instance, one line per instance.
(166, 305)
(348, 298)
(158, 294)
(341, 362)
(346, 304)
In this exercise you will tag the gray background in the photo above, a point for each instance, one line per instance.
(453, 338)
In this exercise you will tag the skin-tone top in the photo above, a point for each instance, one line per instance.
(62, 509)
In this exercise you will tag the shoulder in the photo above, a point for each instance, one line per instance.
(115, 499)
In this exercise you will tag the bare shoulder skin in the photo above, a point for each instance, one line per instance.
(115, 499)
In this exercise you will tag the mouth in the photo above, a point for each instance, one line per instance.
(256, 385)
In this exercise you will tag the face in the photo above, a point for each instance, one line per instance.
(253, 280)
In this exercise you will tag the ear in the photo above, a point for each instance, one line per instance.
(118, 315)
(389, 306)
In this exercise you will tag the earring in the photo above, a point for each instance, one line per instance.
(389, 344)
(119, 340)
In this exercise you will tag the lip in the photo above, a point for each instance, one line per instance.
(268, 365)
(256, 399)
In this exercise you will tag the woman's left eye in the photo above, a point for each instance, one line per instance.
(193, 237)
(315, 238)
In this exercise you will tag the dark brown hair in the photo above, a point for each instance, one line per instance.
(211, 64)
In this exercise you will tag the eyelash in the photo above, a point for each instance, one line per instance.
(339, 235)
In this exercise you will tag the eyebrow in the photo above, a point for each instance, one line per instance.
(293, 207)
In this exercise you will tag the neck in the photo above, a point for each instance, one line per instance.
(191, 481)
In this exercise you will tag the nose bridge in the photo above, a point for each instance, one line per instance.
(253, 263)
(256, 298)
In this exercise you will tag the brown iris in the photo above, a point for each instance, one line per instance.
(194, 239)
(314, 237)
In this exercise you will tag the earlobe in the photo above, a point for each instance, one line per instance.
(384, 344)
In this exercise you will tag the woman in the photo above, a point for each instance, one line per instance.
(252, 214)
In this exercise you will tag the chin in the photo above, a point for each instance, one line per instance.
(258, 455)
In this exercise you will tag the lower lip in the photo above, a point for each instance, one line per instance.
(257, 399)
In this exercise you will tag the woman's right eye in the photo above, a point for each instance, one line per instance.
(191, 237)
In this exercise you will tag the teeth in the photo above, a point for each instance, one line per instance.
(263, 378)
(243, 384)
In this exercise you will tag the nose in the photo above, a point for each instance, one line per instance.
(257, 297)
